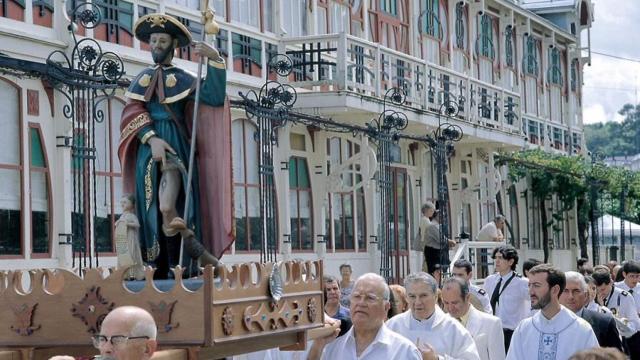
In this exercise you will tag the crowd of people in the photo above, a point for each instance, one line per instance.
(547, 314)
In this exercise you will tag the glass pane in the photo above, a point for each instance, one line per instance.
(268, 15)
(10, 227)
(251, 156)
(37, 155)
(9, 123)
(39, 212)
(237, 151)
(219, 7)
(103, 226)
(246, 12)
(305, 204)
(305, 234)
(239, 214)
(10, 189)
(116, 112)
(322, 20)
(293, 203)
(255, 229)
(327, 225)
(361, 221)
(293, 179)
(303, 174)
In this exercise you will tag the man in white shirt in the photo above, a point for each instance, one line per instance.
(464, 270)
(369, 338)
(427, 210)
(440, 335)
(623, 307)
(509, 292)
(631, 273)
(485, 329)
(492, 231)
(554, 332)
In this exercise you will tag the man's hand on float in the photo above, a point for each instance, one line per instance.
(204, 49)
(159, 149)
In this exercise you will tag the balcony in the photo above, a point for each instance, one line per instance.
(339, 62)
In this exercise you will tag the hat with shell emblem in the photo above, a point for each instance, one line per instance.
(161, 23)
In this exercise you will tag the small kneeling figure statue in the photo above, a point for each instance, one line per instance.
(127, 242)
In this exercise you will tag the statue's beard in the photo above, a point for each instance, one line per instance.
(159, 56)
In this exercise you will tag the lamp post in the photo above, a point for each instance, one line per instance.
(594, 213)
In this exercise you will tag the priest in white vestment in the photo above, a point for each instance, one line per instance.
(438, 335)
(555, 332)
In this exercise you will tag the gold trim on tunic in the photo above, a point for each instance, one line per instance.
(136, 124)
(147, 136)
(175, 98)
(154, 251)
(133, 96)
(218, 64)
(148, 187)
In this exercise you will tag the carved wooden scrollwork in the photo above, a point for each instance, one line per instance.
(92, 309)
(23, 323)
(162, 313)
(284, 315)
(312, 309)
(227, 321)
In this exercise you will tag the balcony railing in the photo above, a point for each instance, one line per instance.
(343, 62)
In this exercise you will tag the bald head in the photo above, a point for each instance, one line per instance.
(137, 320)
(137, 326)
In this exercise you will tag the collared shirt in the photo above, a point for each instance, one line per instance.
(594, 306)
(633, 291)
(623, 306)
(386, 345)
(514, 303)
(557, 338)
(465, 317)
(482, 296)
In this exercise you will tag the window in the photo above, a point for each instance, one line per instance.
(195, 28)
(10, 171)
(389, 6)
(339, 17)
(300, 204)
(117, 22)
(40, 191)
(246, 186)
(108, 174)
(12, 9)
(294, 17)
(531, 55)
(509, 40)
(191, 4)
(461, 26)
(246, 12)
(220, 7)
(345, 210)
(485, 41)
(43, 12)
(430, 18)
(555, 67)
(247, 55)
(574, 74)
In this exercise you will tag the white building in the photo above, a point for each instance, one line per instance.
(516, 66)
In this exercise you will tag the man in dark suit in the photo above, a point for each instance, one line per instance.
(575, 297)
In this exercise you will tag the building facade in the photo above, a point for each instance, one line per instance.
(513, 68)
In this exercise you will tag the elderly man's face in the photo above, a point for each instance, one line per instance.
(453, 301)
(573, 296)
(131, 349)
(368, 307)
(162, 46)
(422, 300)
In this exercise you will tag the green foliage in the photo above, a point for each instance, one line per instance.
(613, 138)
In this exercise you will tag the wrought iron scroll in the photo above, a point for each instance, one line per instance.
(269, 108)
(384, 131)
(86, 76)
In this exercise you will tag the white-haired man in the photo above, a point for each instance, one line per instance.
(437, 334)
(369, 338)
(127, 333)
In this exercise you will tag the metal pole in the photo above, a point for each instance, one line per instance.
(623, 200)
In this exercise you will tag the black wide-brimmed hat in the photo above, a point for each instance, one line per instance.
(161, 23)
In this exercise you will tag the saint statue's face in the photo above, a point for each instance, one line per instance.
(126, 204)
(162, 47)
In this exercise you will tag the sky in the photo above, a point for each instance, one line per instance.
(610, 83)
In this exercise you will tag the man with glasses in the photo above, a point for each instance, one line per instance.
(127, 333)
(575, 297)
(437, 334)
(369, 338)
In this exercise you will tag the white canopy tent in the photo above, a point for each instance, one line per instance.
(609, 230)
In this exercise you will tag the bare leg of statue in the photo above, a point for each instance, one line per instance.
(172, 223)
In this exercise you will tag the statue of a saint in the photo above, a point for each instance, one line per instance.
(127, 242)
(155, 145)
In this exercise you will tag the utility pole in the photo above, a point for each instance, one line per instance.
(623, 200)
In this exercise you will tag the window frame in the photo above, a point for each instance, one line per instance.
(46, 170)
(20, 169)
(297, 191)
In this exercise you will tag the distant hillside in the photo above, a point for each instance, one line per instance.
(616, 138)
